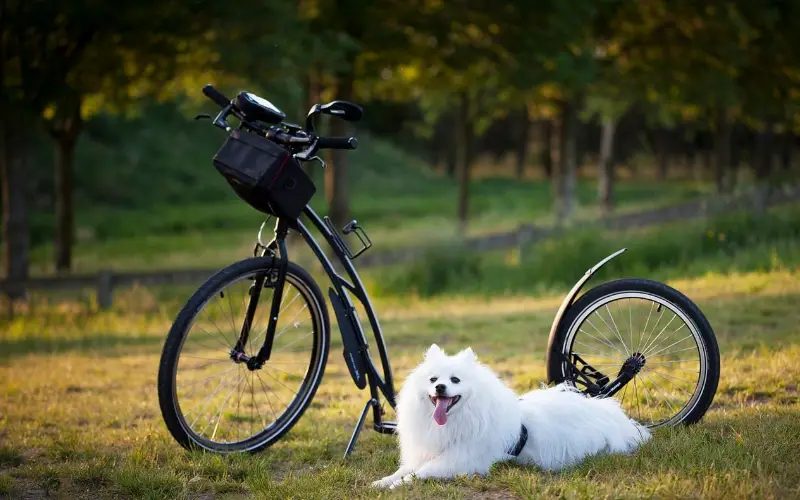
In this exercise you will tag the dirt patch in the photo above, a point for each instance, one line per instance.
(492, 495)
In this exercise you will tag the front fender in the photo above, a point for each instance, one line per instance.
(567, 302)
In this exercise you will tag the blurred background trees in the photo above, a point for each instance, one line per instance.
(548, 90)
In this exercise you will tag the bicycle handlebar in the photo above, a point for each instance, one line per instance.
(274, 133)
(338, 142)
(216, 96)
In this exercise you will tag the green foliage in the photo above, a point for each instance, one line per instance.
(440, 269)
(741, 242)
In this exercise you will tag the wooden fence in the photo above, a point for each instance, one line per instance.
(105, 281)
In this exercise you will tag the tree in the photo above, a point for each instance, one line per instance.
(120, 56)
(555, 50)
(450, 61)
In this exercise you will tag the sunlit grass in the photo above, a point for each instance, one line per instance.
(80, 415)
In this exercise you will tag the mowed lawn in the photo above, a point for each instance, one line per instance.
(79, 414)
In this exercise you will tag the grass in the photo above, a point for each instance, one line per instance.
(79, 416)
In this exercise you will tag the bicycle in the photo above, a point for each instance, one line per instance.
(261, 161)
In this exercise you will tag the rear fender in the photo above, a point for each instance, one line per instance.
(567, 303)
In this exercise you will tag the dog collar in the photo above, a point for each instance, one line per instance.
(523, 438)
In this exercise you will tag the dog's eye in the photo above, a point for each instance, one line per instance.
(434, 379)
(455, 380)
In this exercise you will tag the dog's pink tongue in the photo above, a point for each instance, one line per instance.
(440, 412)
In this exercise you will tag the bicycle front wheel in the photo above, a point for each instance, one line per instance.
(212, 402)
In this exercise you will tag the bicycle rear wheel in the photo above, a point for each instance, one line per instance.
(210, 401)
(653, 332)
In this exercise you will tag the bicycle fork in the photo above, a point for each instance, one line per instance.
(238, 353)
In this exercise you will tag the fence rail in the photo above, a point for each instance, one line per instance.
(105, 281)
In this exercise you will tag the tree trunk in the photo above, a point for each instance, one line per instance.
(547, 148)
(689, 139)
(463, 159)
(763, 151)
(736, 156)
(708, 161)
(763, 165)
(606, 167)
(16, 237)
(65, 129)
(565, 200)
(450, 142)
(581, 133)
(787, 148)
(522, 141)
(722, 144)
(336, 172)
(662, 152)
(65, 220)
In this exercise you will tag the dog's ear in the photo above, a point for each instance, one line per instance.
(434, 351)
(468, 354)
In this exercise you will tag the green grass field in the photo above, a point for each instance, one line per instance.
(79, 416)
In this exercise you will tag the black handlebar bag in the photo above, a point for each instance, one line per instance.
(264, 174)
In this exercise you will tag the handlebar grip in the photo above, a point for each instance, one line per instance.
(215, 95)
(337, 143)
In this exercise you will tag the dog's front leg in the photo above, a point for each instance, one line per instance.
(444, 467)
(389, 480)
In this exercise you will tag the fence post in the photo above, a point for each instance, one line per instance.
(104, 289)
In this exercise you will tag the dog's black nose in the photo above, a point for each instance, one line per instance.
(440, 388)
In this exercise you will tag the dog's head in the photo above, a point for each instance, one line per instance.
(445, 382)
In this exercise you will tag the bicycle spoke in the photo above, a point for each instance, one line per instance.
(601, 333)
(644, 330)
(205, 379)
(211, 335)
(222, 406)
(671, 345)
(294, 342)
(266, 393)
(670, 376)
(646, 396)
(691, 348)
(597, 350)
(585, 355)
(666, 399)
(595, 338)
(615, 330)
(661, 332)
(630, 319)
(655, 327)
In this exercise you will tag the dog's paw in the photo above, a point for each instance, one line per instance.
(383, 483)
(408, 478)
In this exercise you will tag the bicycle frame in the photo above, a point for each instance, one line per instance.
(356, 347)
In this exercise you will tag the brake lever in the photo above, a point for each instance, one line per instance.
(203, 116)
(320, 160)
(304, 156)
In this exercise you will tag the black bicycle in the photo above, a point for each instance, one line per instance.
(245, 355)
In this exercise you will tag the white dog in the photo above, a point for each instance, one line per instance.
(455, 416)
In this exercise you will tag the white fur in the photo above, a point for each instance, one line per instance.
(564, 427)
